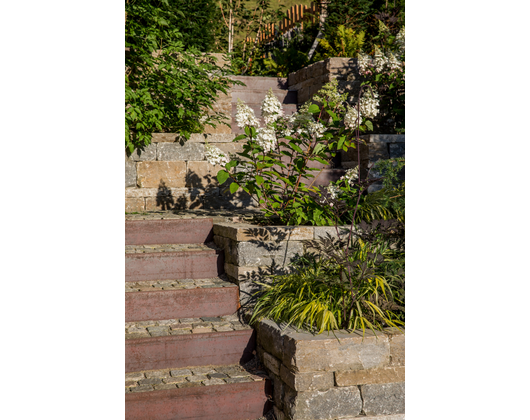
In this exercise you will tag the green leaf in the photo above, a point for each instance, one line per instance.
(240, 137)
(259, 180)
(369, 125)
(233, 187)
(222, 176)
(314, 109)
(296, 147)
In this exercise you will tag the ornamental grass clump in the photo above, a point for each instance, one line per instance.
(336, 289)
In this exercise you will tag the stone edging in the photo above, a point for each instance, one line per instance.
(330, 376)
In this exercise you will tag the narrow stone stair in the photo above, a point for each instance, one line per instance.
(255, 91)
(188, 355)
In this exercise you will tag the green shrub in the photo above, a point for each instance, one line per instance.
(340, 287)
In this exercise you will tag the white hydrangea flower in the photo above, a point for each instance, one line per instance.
(245, 116)
(365, 62)
(392, 62)
(353, 118)
(266, 138)
(215, 156)
(369, 105)
(271, 109)
(350, 176)
(333, 191)
(379, 60)
(315, 129)
(400, 41)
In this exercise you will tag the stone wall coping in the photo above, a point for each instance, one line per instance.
(384, 138)
(300, 335)
(248, 232)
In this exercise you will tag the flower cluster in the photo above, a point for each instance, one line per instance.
(389, 62)
(333, 191)
(271, 109)
(350, 176)
(266, 138)
(400, 41)
(329, 92)
(215, 156)
(367, 108)
(245, 116)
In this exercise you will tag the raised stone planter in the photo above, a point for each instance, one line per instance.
(252, 252)
(328, 377)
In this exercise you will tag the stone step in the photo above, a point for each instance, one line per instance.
(259, 83)
(251, 96)
(172, 262)
(229, 392)
(187, 298)
(185, 342)
(172, 231)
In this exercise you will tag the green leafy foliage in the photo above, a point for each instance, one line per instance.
(339, 286)
(167, 88)
(345, 42)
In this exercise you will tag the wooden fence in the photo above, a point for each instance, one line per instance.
(297, 14)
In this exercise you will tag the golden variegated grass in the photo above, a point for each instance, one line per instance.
(311, 300)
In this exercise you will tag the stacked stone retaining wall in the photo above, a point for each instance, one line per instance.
(334, 376)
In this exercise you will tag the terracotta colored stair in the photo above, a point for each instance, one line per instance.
(187, 354)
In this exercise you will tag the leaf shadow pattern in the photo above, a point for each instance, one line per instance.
(166, 200)
(273, 244)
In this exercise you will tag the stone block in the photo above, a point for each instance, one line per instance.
(202, 175)
(247, 232)
(240, 273)
(177, 201)
(324, 231)
(270, 337)
(178, 151)
(165, 137)
(229, 246)
(231, 148)
(385, 138)
(153, 192)
(370, 376)
(260, 253)
(307, 353)
(220, 129)
(218, 138)
(323, 405)
(383, 399)
(378, 151)
(134, 205)
(149, 153)
(352, 154)
(396, 150)
(397, 350)
(307, 381)
(130, 172)
(161, 174)
(271, 363)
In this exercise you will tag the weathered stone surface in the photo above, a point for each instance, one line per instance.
(380, 399)
(176, 201)
(323, 231)
(242, 273)
(165, 137)
(231, 148)
(149, 153)
(306, 353)
(270, 337)
(219, 138)
(271, 363)
(220, 129)
(378, 151)
(396, 150)
(370, 376)
(178, 151)
(202, 174)
(268, 253)
(161, 174)
(230, 247)
(134, 205)
(307, 381)
(384, 138)
(323, 405)
(397, 350)
(248, 232)
(278, 414)
(153, 192)
(130, 172)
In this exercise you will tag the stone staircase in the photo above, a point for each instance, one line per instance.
(187, 353)
(255, 91)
